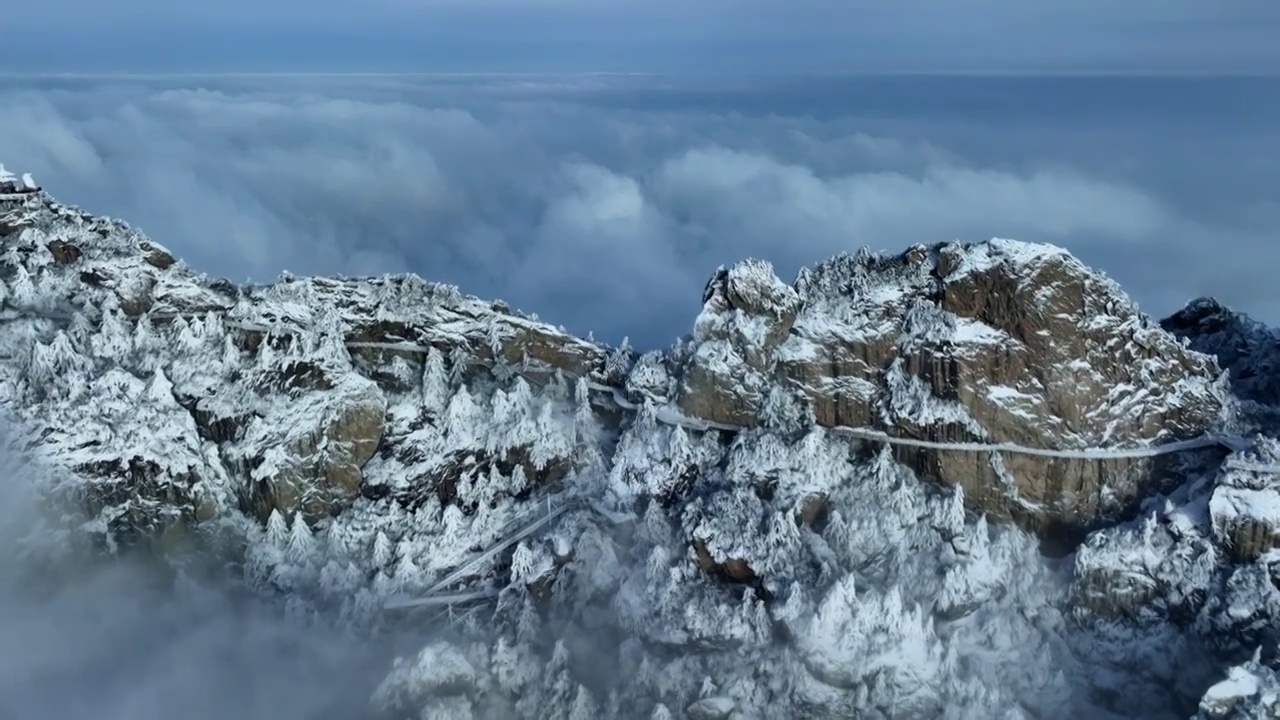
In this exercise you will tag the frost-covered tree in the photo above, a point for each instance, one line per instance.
(301, 548)
(460, 358)
(145, 339)
(464, 420)
(187, 340)
(114, 338)
(408, 576)
(584, 706)
(383, 552)
(584, 416)
(23, 292)
(435, 382)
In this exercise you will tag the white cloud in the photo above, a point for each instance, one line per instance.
(594, 213)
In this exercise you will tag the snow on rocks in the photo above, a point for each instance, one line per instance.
(1250, 690)
(1002, 343)
(1245, 507)
(11, 185)
(741, 516)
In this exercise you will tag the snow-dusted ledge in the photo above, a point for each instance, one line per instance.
(13, 187)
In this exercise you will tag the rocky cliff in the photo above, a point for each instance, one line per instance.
(859, 455)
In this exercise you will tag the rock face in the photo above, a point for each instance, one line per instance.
(998, 343)
(1243, 346)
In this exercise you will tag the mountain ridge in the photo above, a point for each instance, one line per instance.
(340, 413)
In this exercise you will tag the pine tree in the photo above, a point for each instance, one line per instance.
(383, 585)
(160, 389)
(114, 338)
(584, 706)
(231, 354)
(462, 419)
(459, 362)
(584, 416)
(277, 530)
(660, 712)
(503, 412)
(382, 550)
(22, 288)
(435, 382)
(302, 544)
(214, 327)
(494, 337)
(408, 577)
(559, 688)
(187, 340)
(330, 336)
(81, 329)
(519, 481)
(144, 336)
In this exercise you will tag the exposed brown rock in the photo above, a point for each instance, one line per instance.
(813, 511)
(730, 569)
(747, 313)
(325, 457)
(64, 253)
(157, 258)
(1000, 342)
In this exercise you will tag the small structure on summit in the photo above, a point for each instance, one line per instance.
(12, 185)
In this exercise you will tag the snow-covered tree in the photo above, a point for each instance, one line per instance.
(435, 382)
(278, 529)
(114, 338)
(301, 548)
(459, 361)
(383, 552)
(464, 420)
(584, 706)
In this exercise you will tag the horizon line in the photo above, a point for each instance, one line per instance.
(139, 75)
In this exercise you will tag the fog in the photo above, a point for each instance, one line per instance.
(86, 637)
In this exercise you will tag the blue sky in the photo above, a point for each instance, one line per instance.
(654, 35)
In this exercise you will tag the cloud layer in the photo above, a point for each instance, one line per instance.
(604, 202)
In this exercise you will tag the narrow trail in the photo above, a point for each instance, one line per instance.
(669, 415)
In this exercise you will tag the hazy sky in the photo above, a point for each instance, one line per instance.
(663, 35)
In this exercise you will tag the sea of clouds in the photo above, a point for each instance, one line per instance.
(604, 202)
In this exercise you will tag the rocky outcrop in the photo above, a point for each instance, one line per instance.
(282, 389)
(1250, 690)
(1244, 509)
(1002, 342)
(747, 313)
(1246, 348)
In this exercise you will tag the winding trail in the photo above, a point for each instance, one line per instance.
(444, 594)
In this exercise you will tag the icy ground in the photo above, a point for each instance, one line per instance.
(671, 568)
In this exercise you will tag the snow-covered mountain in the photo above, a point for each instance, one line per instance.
(964, 481)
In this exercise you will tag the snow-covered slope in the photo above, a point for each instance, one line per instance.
(800, 511)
